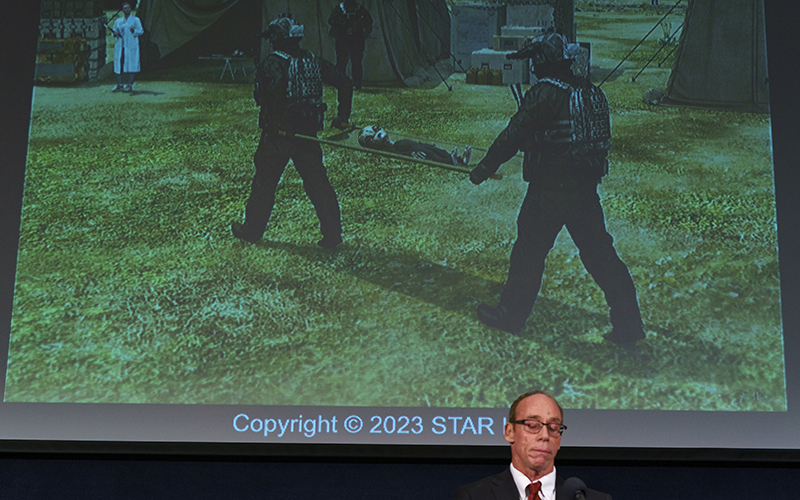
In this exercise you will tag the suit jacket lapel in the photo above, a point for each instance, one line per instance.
(504, 487)
(560, 493)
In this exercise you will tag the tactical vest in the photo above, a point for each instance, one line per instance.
(303, 109)
(581, 139)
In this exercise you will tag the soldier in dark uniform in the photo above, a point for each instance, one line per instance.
(288, 87)
(564, 129)
(351, 24)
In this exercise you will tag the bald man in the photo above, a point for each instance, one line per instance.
(534, 428)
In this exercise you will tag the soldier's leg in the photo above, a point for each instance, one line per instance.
(342, 49)
(308, 162)
(356, 62)
(588, 230)
(270, 161)
(537, 228)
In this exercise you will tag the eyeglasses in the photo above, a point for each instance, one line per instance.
(534, 426)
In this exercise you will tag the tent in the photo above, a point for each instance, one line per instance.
(408, 35)
(721, 60)
(180, 31)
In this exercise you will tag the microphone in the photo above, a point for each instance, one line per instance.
(575, 489)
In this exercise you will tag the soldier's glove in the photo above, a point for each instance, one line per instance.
(340, 123)
(479, 174)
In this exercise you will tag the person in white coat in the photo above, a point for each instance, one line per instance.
(127, 30)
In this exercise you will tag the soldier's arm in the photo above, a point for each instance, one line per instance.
(367, 21)
(538, 106)
(336, 16)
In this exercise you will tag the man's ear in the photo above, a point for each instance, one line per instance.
(508, 432)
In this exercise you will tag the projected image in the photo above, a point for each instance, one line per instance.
(131, 287)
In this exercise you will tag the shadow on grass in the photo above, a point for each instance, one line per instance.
(565, 331)
(145, 92)
(553, 322)
(401, 273)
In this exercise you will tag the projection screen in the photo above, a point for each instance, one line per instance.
(132, 317)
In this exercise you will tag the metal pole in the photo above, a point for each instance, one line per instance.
(388, 154)
(640, 42)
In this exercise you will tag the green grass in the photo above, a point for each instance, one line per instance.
(131, 289)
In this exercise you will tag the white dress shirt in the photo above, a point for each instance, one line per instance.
(547, 491)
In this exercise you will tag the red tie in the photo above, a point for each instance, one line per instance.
(533, 490)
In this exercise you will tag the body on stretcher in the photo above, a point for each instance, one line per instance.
(348, 139)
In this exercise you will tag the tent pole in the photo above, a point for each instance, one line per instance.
(658, 52)
(640, 42)
(427, 59)
(667, 56)
(447, 44)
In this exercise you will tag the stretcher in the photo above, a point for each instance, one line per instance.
(348, 139)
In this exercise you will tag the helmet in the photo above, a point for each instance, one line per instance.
(551, 48)
(283, 28)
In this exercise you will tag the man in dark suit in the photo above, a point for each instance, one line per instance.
(534, 427)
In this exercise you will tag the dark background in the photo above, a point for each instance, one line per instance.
(152, 477)
(154, 471)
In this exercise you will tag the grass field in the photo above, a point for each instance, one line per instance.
(131, 289)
